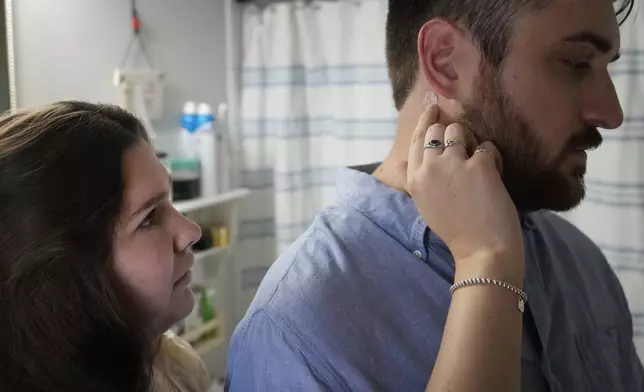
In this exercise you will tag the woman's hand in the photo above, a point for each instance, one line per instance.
(461, 197)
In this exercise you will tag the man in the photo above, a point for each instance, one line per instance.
(359, 302)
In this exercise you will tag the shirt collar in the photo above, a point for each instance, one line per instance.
(390, 209)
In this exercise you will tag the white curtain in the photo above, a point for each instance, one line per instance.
(315, 97)
(613, 211)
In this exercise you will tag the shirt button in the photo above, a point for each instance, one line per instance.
(418, 254)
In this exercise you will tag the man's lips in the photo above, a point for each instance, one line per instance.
(586, 148)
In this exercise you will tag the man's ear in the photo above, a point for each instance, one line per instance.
(438, 51)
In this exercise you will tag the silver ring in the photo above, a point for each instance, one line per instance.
(449, 143)
(481, 149)
(433, 144)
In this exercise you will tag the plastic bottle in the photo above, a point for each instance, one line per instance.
(186, 168)
(207, 152)
(186, 179)
(188, 141)
(207, 309)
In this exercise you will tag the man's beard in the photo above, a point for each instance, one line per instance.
(533, 180)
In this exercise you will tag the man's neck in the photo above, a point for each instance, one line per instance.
(393, 170)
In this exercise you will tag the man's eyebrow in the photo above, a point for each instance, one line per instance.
(602, 44)
(154, 200)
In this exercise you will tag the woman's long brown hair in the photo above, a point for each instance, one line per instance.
(66, 323)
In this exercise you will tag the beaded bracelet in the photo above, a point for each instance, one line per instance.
(523, 298)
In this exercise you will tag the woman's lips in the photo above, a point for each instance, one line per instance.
(184, 279)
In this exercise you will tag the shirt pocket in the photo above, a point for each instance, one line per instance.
(609, 359)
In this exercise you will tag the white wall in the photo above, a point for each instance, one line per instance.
(69, 48)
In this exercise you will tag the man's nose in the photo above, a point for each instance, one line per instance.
(601, 107)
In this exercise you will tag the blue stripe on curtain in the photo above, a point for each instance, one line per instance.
(305, 127)
(295, 180)
(612, 193)
(348, 74)
(348, 128)
(374, 73)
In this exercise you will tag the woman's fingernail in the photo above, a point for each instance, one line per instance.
(429, 99)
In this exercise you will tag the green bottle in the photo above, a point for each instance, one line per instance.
(206, 307)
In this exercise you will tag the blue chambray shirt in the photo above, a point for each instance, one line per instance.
(359, 302)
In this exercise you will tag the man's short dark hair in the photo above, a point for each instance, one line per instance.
(489, 22)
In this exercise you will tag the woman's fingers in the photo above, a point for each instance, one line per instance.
(456, 141)
(429, 117)
(434, 142)
(464, 202)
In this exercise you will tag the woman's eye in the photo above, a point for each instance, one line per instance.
(150, 220)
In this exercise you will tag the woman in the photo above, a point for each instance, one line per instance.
(94, 260)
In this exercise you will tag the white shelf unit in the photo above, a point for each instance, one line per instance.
(214, 268)
(199, 204)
